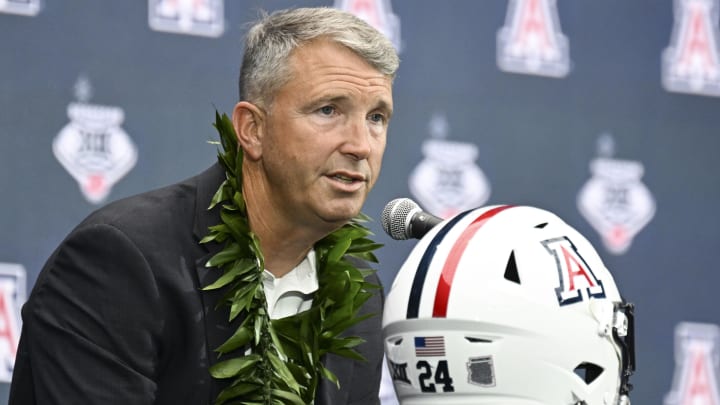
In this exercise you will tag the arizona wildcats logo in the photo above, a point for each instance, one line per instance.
(577, 280)
(12, 297)
(377, 13)
(696, 365)
(531, 42)
(691, 64)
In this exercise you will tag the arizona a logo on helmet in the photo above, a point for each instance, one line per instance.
(691, 64)
(577, 280)
(531, 42)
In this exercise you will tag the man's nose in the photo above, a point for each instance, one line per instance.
(357, 140)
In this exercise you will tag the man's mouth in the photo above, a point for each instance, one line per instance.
(347, 178)
(344, 179)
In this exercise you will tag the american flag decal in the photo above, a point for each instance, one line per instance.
(429, 346)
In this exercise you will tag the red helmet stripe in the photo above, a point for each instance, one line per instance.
(448, 272)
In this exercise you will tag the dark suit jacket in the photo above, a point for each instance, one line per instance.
(117, 316)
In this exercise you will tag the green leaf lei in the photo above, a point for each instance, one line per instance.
(284, 365)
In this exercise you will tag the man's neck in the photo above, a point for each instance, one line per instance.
(284, 243)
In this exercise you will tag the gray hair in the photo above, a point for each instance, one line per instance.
(270, 42)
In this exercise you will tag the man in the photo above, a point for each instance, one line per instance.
(126, 311)
(508, 305)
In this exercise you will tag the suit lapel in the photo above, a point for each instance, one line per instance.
(217, 327)
(206, 184)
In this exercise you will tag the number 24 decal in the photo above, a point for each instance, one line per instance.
(441, 377)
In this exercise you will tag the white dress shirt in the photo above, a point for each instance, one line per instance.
(292, 293)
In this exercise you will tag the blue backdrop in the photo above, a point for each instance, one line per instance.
(629, 161)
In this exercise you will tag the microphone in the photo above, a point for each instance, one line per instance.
(403, 219)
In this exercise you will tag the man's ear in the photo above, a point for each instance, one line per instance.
(249, 123)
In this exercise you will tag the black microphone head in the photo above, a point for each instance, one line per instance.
(396, 217)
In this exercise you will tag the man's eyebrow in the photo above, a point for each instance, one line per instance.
(334, 98)
(328, 99)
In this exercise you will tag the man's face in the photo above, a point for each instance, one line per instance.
(325, 134)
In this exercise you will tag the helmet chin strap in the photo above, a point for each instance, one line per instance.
(624, 335)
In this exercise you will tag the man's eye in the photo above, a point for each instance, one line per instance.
(327, 110)
(377, 117)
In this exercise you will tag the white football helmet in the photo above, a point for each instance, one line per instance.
(507, 305)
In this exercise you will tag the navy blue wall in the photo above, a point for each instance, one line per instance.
(535, 136)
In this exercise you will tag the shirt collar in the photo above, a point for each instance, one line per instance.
(302, 278)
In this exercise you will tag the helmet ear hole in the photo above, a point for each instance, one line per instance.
(511, 271)
(588, 372)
